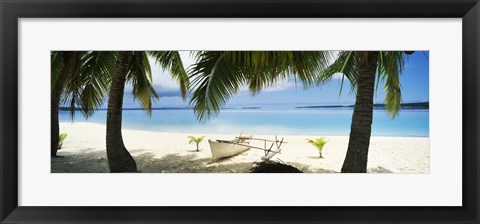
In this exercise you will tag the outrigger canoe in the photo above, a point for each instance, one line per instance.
(225, 148)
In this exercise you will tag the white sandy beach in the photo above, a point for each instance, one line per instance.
(162, 152)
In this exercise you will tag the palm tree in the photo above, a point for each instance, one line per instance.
(133, 66)
(360, 68)
(218, 75)
(79, 79)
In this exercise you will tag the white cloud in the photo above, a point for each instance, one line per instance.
(279, 86)
(284, 85)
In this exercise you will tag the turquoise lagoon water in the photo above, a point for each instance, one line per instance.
(299, 121)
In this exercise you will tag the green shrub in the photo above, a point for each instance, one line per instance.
(61, 137)
(319, 143)
(196, 141)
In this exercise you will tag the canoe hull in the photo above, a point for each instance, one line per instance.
(222, 150)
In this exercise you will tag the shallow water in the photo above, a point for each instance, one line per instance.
(300, 121)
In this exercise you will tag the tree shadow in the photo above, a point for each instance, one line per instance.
(87, 161)
(307, 169)
(174, 163)
(95, 161)
(379, 169)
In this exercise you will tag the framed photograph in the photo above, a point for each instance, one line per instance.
(245, 112)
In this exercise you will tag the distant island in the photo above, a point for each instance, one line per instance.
(158, 108)
(250, 108)
(420, 105)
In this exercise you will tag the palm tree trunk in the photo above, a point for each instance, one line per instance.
(119, 159)
(361, 128)
(55, 102)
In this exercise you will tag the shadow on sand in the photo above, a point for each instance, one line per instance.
(95, 161)
(174, 163)
(87, 161)
(379, 169)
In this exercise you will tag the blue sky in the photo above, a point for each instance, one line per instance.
(414, 81)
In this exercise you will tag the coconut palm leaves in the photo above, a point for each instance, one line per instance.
(389, 67)
(86, 81)
(345, 66)
(86, 88)
(96, 78)
(171, 61)
(215, 81)
(218, 75)
(139, 74)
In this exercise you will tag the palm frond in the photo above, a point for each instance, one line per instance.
(140, 75)
(215, 80)
(307, 65)
(380, 71)
(390, 68)
(345, 65)
(96, 71)
(218, 75)
(87, 84)
(261, 69)
(172, 62)
(265, 69)
(71, 94)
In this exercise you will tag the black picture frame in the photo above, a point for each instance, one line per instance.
(12, 10)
